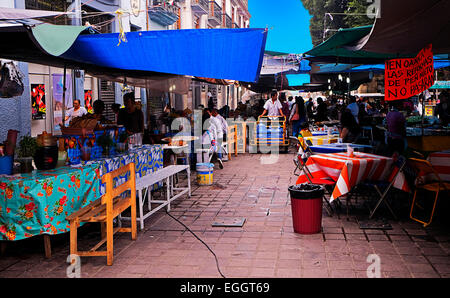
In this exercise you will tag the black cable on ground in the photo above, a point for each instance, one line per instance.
(217, 261)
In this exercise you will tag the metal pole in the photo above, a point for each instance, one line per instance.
(423, 110)
(64, 97)
(146, 12)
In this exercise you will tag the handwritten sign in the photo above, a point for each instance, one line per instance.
(404, 78)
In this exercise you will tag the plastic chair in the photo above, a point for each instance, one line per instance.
(424, 167)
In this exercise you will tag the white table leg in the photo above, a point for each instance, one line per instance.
(188, 170)
(141, 207)
(168, 193)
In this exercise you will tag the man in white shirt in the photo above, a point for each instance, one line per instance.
(76, 111)
(273, 106)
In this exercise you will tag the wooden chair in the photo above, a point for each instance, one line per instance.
(104, 210)
(436, 185)
(231, 142)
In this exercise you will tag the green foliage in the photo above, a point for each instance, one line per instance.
(358, 7)
(27, 147)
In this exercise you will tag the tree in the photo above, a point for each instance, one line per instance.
(357, 16)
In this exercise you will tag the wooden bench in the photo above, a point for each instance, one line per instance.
(144, 184)
(104, 210)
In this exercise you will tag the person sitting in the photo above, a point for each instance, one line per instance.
(76, 111)
(350, 129)
(304, 133)
(131, 117)
(115, 107)
(99, 108)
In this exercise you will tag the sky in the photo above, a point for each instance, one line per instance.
(288, 23)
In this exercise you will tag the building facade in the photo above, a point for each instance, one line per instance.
(103, 16)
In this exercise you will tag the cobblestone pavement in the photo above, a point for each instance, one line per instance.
(265, 246)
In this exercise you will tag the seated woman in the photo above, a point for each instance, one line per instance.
(350, 129)
(304, 132)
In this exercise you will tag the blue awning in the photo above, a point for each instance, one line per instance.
(146, 57)
(232, 54)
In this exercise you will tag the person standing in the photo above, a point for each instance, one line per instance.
(354, 109)
(310, 109)
(273, 107)
(298, 115)
(284, 104)
(76, 111)
(396, 129)
(130, 116)
(224, 125)
(291, 102)
(321, 113)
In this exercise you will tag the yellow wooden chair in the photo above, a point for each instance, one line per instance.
(104, 210)
(436, 185)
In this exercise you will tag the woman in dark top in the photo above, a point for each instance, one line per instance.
(321, 110)
(297, 108)
(349, 127)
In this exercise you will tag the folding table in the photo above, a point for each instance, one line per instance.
(350, 171)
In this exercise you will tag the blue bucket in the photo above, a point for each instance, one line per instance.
(6, 164)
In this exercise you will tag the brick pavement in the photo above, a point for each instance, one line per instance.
(266, 245)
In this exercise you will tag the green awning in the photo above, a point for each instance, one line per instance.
(339, 45)
(56, 39)
(441, 85)
(274, 53)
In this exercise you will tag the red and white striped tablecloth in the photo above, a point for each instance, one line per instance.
(350, 171)
(441, 163)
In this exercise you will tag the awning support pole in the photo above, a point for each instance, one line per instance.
(64, 97)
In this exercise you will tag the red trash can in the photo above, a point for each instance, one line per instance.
(306, 205)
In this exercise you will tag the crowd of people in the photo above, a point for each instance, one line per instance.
(350, 114)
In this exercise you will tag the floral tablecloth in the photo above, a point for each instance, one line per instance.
(39, 202)
(147, 159)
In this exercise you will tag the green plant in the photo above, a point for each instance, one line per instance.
(105, 141)
(27, 147)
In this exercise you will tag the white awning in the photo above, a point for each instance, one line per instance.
(12, 14)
